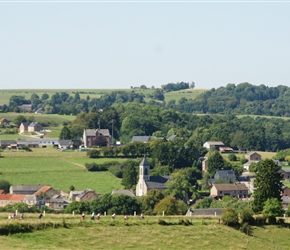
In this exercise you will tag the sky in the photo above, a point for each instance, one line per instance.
(119, 44)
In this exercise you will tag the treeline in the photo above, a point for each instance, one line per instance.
(243, 98)
(131, 119)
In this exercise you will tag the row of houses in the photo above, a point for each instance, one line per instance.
(44, 195)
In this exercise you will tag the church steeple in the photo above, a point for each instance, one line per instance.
(144, 170)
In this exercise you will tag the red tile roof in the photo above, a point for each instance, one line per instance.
(12, 197)
(42, 190)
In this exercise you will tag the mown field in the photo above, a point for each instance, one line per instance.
(96, 93)
(56, 168)
(202, 233)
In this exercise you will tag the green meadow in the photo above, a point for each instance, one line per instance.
(67, 232)
(56, 168)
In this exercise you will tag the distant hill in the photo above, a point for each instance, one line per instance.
(243, 98)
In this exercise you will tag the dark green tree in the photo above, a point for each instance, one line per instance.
(215, 162)
(267, 184)
(65, 133)
(19, 119)
(5, 185)
(129, 175)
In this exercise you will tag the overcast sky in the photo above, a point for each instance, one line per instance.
(122, 44)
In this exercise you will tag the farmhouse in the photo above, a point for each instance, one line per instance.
(24, 189)
(253, 156)
(6, 199)
(4, 122)
(233, 190)
(30, 127)
(213, 144)
(96, 137)
(147, 182)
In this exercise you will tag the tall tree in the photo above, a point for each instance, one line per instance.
(267, 184)
(129, 175)
(65, 133)
(215, 162)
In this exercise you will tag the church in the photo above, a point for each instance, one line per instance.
(147, 182)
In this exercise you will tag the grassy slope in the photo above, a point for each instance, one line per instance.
(147, 234)
(56, 168)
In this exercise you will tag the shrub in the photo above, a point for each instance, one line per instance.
(93, 153)
(247, 217)
(232, 157)
(230, 217)
(93, 167)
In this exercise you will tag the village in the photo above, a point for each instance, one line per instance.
(223, 182)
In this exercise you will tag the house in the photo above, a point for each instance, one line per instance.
(253, 156)
(57, 202)
(86, 195)
(38, 142)
(226, 150)
(124, 192)
(23, 127)
(65, 144)
(8, 199)
(96, 137)
(232, 190)
(227, 176)
(25, 189)
(285, 191)
(25, 107)
(285, 173)
(213, 145)
(35, 127)
(31, 200)
(147, 182)
(285, 202)
(248, 164)
(32, 143)
(4, 122)
(7, 143)
(142, 138)
(46, 192)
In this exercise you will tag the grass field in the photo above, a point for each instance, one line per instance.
(53, 167)
(187, 93)
(95, 93)
(204, 233)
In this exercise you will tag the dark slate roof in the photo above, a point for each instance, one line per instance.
(287, 170)
(157, 182)
(27, 188)
(144, 162)
(65, 142)
(6, 142)
(25, 124)
(225, 174)
(92, 132)
(33, 124)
